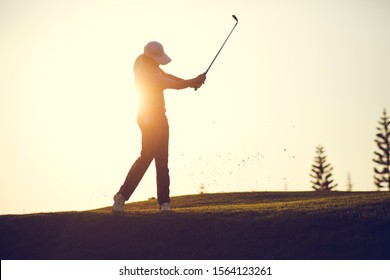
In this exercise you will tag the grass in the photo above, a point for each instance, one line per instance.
(256, 225)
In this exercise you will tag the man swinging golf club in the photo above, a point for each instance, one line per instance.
(151, 81)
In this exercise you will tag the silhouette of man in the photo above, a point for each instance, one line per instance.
(151, 81)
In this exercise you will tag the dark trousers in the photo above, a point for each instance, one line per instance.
(155, 139)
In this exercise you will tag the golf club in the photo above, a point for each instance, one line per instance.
(236, 19)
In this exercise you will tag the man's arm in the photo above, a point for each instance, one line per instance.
(172, 77)
(173, 82)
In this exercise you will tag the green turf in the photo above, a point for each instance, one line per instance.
(255, 225)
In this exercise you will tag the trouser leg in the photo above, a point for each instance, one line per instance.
(162, 171)
(134, 176)
(151, 132)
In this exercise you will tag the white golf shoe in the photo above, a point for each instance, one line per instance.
(119, 203)
(165, 207)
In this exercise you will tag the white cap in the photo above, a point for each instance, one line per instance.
(155, 51)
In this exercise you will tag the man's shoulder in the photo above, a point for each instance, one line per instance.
(143, 67)
(138, 60)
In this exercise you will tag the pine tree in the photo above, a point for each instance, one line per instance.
(321, 172)
(202, 188)
(382, 155)
(349, 183)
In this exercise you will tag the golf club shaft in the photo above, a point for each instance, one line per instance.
(223, 44)
(235, 18)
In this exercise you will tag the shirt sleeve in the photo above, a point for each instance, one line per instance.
(155, 78)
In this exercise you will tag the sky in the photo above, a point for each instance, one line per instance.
(293, 75)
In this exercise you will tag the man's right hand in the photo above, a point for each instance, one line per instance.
(199, 81)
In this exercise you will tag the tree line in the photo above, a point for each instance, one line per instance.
(321, 172)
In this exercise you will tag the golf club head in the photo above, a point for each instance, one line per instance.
(235, 18)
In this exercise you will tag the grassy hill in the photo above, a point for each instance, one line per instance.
(256, 225)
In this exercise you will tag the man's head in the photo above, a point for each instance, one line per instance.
(155, 51)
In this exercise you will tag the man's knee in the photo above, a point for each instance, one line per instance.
(146, 155)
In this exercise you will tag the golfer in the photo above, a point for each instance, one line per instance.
(151, 81)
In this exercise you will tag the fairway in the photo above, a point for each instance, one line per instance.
(255, 225)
